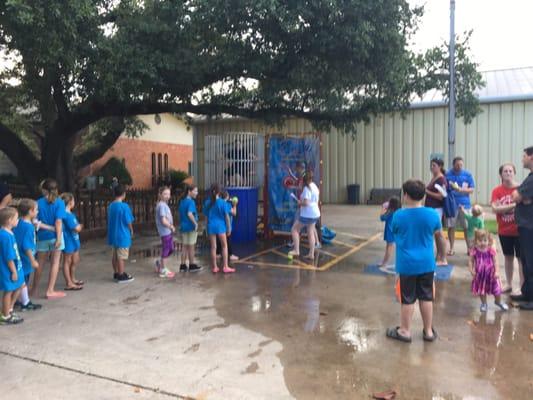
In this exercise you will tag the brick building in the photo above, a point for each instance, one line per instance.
(166, 144)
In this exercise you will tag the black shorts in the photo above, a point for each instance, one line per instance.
(510, 245)
(413, 287)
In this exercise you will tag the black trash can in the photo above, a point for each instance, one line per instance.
(353, 194)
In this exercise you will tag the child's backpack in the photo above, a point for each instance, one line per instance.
(450, 204)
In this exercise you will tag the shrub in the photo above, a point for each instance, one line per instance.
(115, 167)
(176, 178)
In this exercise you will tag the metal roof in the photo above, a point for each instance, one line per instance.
(511, 84)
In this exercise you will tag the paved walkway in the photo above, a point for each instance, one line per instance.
(263, 333)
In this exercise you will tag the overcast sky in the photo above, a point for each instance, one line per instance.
(503, 29)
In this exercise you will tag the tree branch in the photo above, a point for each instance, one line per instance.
(59, 99)
(19, 153)
(104, 143)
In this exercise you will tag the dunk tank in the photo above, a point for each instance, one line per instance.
(265, 173)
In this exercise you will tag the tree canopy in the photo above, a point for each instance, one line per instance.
(69, 65)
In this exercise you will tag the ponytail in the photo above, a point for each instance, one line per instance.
(50, 189)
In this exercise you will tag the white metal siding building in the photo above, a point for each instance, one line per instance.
(391, 149)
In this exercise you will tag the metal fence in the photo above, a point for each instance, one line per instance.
(235, 159)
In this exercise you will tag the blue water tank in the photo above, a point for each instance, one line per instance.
(245, 223)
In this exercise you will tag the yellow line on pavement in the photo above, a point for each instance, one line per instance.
(260, 253)
(265, 264)
(348, 253)
(279, 253)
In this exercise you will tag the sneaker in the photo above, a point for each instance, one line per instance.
(503, 306)
(158, 267)
(116, 276)
(483, 307)
(183, 267)
(11, 319)
(233, 257)
(195, 268)
(30, 307)
(165, 273)
(124, 278)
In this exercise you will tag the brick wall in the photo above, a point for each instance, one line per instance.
(138, 156)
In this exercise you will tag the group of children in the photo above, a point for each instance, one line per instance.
(219, 210)
(46, 228)
(482, 261)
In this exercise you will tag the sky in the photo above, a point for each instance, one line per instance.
(502, 29)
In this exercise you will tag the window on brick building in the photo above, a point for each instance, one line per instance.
(154, 177)
(166, 164)
(160, 164)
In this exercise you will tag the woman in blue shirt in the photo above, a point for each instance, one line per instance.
(218, 225)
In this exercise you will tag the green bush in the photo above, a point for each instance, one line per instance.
(177, 178)
(115, 167)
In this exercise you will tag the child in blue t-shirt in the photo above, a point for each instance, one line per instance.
(49, 244)
(71, 253)
(120, 233)
(26, 243)
(11, 273)
(188, 229)
(415, 228)
(218, 225)
(388, 210)
(231, 206)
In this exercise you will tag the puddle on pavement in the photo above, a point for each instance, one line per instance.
(331, 327)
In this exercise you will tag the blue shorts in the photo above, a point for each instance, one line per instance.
(308, 221)
(44, 246)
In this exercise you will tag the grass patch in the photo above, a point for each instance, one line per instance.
(491, 226)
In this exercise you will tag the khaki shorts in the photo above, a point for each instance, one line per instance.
(122, 253)
(188, 238)
(458, 222)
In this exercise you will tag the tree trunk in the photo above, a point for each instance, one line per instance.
(58, 160)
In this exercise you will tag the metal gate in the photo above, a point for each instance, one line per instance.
(235, 159)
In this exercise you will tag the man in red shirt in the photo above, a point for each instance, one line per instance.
(504, 208)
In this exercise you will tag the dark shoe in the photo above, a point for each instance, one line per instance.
(430, 338)
(30, 307)
(11, 319)
(125, 278)
(183, 267)
(116, 276)
(527, 306)
(394, 334)
(18, 305)
(195, 268)
(518, 297)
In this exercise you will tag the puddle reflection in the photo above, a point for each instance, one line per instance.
(354, 333)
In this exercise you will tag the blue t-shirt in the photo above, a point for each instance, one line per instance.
(186, 206)
(9, 252)
(25, 236)
(388, 236)
(414, 230)
(465, 180)
(49, 213)
(216, 216)
(72, 238)
(119, 216)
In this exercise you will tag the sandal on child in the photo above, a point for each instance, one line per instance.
(502, 306)
(56, 295)
(393, 333)
(79, 283)
(216, 270)
(73, 288)
(429, 338)
(228, 270)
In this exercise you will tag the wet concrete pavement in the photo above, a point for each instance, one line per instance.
(263, 333)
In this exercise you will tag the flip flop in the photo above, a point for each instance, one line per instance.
(450, 252)
(79, 283)
(56, 295)
(430, 338)
(393, 333)
(73, 288)
(387, 395)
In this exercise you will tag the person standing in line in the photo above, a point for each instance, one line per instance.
(189, 229)
(165, 228)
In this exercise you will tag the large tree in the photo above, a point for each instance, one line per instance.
(78, 63)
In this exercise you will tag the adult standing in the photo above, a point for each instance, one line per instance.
(436, 191)
(5, 195)
(504, 208)
(462, 182)
(309, 215)
(523, 197)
